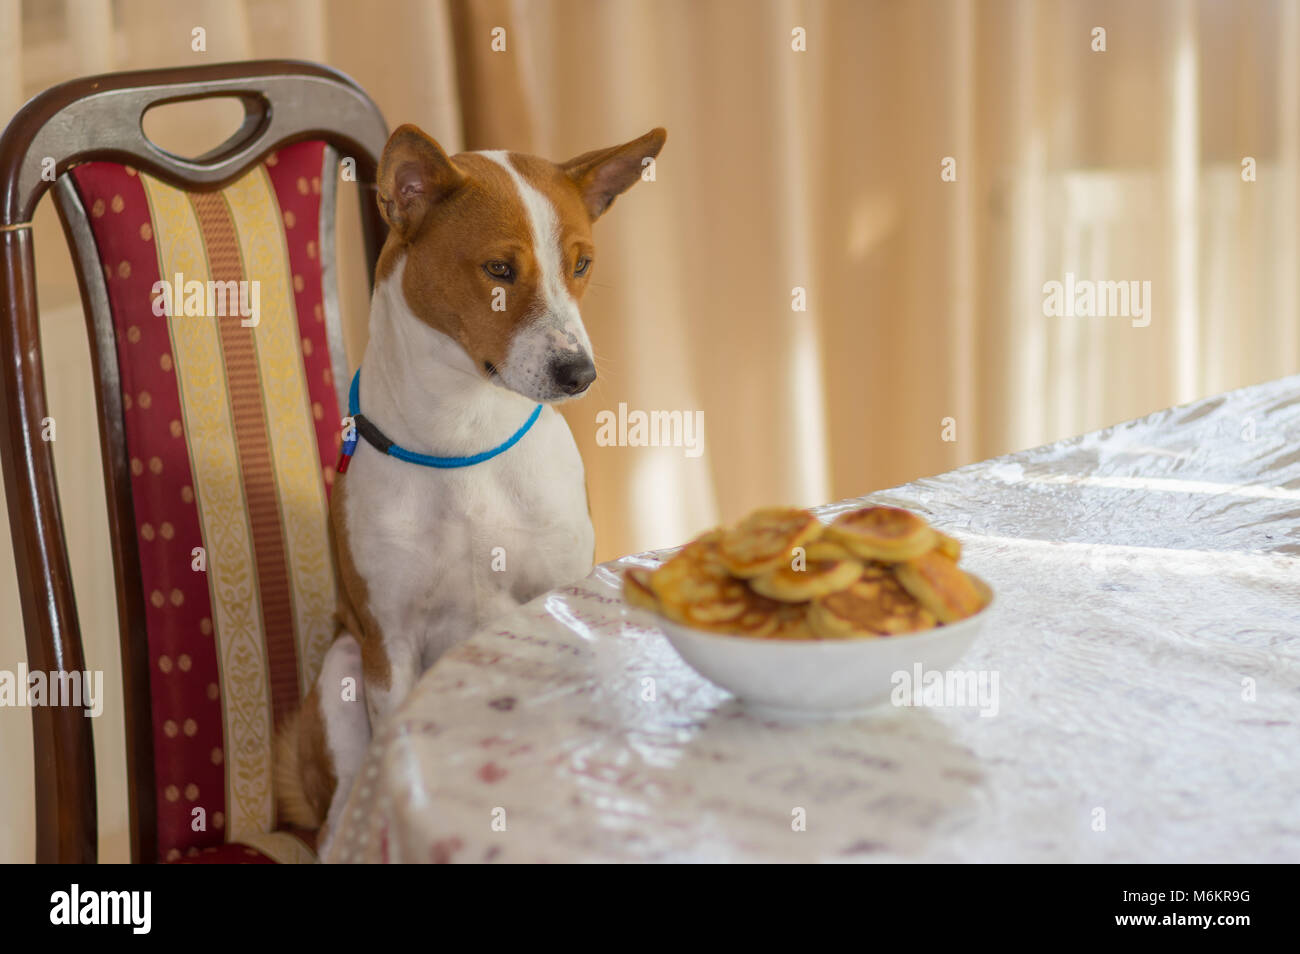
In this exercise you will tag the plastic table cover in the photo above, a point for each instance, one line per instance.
(1146, 641)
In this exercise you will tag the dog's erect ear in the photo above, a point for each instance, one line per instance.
(414, 173)
(602, 176)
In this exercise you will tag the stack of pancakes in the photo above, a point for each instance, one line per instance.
(782, 574)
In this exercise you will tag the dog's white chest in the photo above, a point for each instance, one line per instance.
(443, 552)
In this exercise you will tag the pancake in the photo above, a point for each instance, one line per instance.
(889, 534)
(877, 605)
(792, 622)
(824, 548)
(705, 547)
(779, 574)
(694, 589)
(948, 546)
(636, 589)
(818, 578)
(940, 586)
(763, 541)
(760, 617)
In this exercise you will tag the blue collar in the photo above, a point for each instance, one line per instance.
(374, 436)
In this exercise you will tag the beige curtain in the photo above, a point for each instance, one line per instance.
(813, 173)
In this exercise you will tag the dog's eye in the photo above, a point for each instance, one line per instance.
(581, 267)
(501, 271)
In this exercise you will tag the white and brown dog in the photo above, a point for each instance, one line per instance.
(474, 334)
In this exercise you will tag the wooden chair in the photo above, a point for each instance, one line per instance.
(218, 436)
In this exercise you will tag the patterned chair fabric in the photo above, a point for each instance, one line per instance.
(232, 431)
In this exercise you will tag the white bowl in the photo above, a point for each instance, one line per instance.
(801, 680)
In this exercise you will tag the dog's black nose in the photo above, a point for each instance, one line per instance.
(573, 375)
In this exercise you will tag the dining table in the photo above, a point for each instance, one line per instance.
(1144, 643)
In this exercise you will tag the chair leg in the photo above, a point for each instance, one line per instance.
(66, 824)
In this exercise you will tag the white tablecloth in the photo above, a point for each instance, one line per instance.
(1146, 639)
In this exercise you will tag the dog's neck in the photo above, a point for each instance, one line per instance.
(422, 390)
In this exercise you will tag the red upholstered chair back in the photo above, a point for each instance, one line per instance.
(231, 433)
(219, 362)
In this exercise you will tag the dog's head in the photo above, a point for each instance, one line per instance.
(498, 251)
